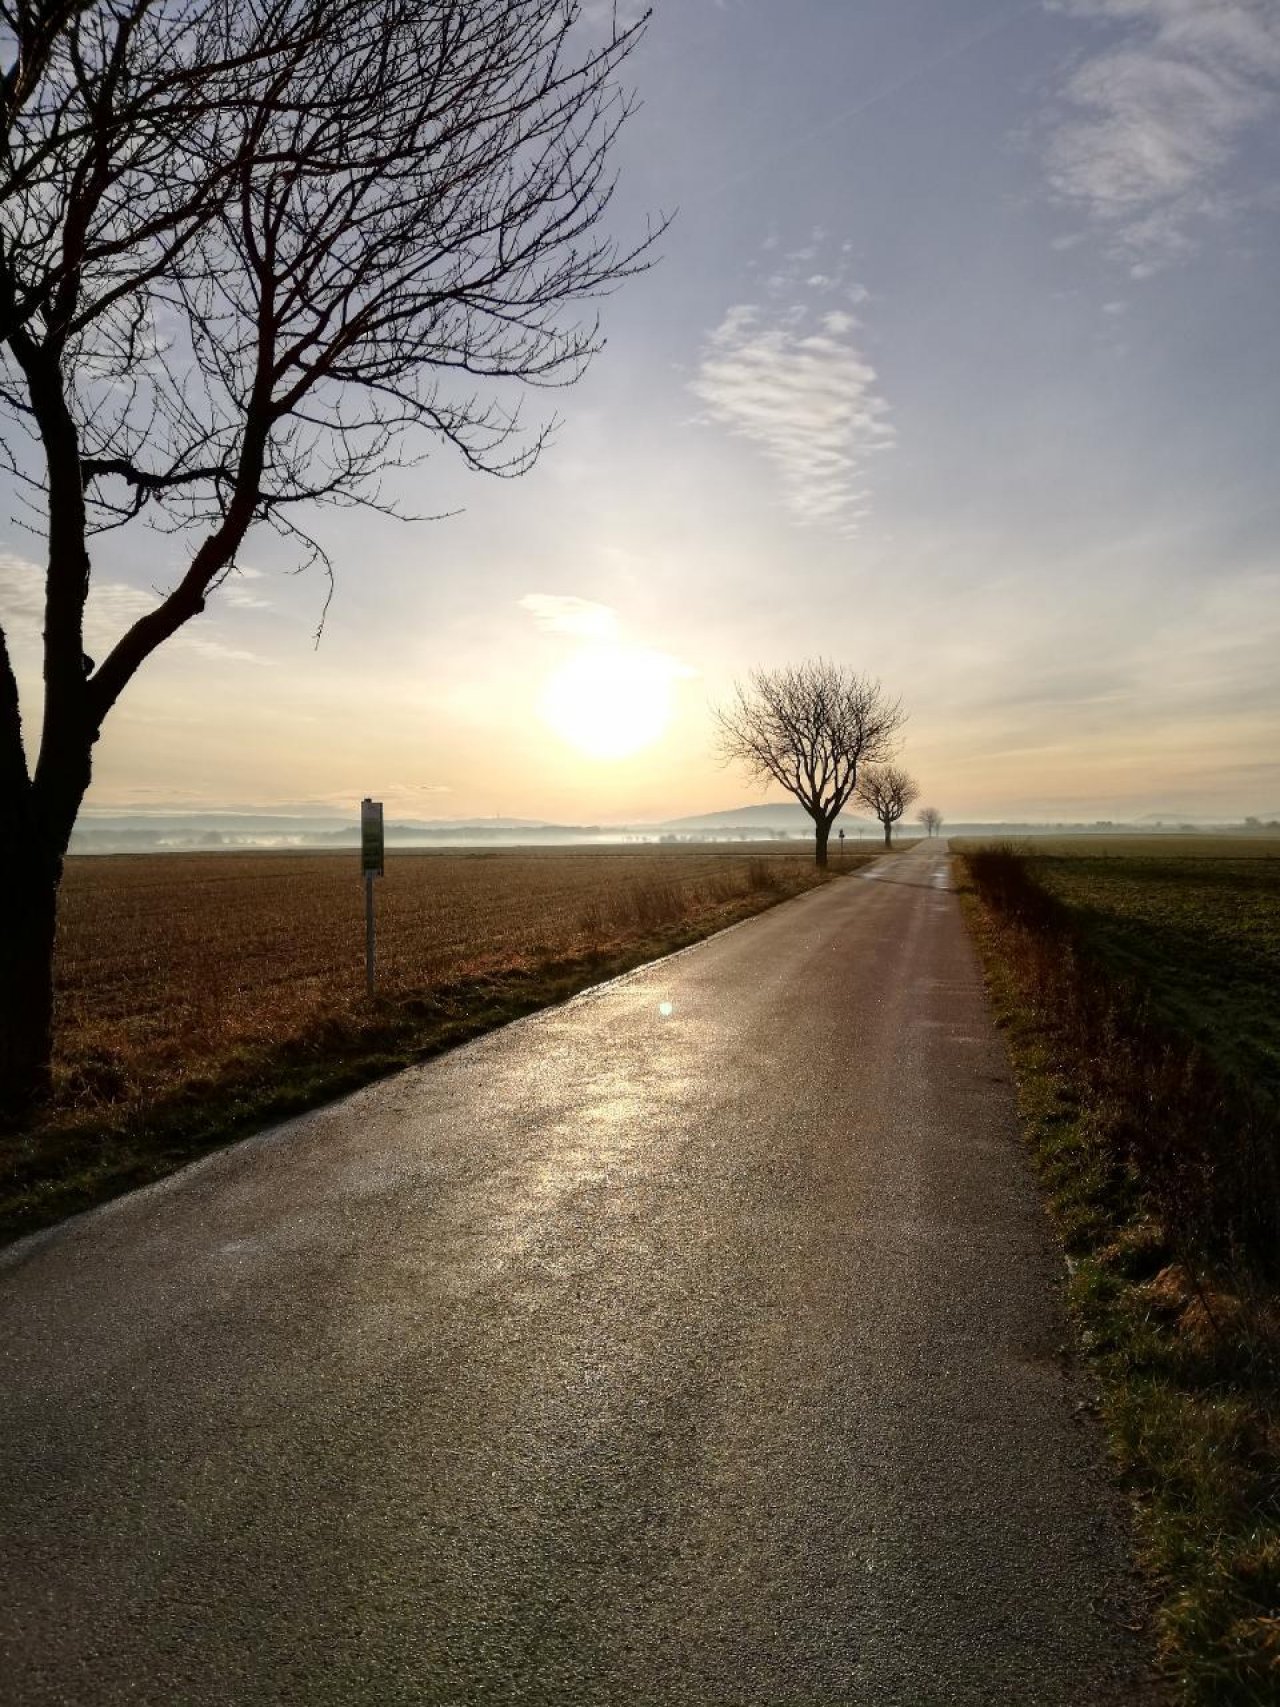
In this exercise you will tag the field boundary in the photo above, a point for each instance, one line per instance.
(1181, 1330)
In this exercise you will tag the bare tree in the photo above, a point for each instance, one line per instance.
(888, 791)
(254, 254)
(931, 818)
(808, 728)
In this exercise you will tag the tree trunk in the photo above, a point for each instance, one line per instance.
(30, 874)
(36, 819)
(888, 833)
(821, 835)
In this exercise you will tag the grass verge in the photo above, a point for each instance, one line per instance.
(84, 1152)
(1161, 1174)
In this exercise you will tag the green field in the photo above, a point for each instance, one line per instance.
(1138, 982)
(1196, 925)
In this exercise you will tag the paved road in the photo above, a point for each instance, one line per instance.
(697, 1342)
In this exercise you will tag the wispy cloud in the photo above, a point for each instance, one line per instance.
(217, 649)
(232, 590)
(21, 592)
(602, 665)
(559, 613)
(113, 607)
(1153, 122)
(787, 374)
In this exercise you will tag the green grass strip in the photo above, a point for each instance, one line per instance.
(1184, 1350)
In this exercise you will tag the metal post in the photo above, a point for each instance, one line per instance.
(369, 933)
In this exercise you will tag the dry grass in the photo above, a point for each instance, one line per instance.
(1162, 1167)
(201, 994)
(167, 964)
(1164, 845)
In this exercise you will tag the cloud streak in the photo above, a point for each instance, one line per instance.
(113, 607)
(1152, 122)
(561, 613)
(792, 380)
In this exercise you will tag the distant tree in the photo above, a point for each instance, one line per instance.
(888, 791)
(809, 728)
(931, 818)
(253, 254)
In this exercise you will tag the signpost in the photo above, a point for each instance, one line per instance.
(372, 860)
(842, 847)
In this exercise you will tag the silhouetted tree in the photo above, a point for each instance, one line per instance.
(931, 818)
(809, 728)
(888, 791)
(254, 253)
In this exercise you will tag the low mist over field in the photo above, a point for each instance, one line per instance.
(192, 832)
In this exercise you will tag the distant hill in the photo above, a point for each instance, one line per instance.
(769, 815)
(200, 832)
(277, 823)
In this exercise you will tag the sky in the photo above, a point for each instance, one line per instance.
(959, 366)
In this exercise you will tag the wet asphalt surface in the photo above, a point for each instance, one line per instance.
(697, 1342)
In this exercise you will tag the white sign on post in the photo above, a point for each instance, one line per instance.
(372, 863)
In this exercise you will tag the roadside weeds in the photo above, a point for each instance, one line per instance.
(1162, 1184)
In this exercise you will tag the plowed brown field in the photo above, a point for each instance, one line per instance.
(201, 994)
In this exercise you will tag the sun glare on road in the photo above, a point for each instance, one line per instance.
(610, 701)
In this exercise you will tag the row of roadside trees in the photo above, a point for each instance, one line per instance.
(829, 737)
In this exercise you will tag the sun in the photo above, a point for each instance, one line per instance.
(610, 701)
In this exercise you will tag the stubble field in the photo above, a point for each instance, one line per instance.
(200, 995)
